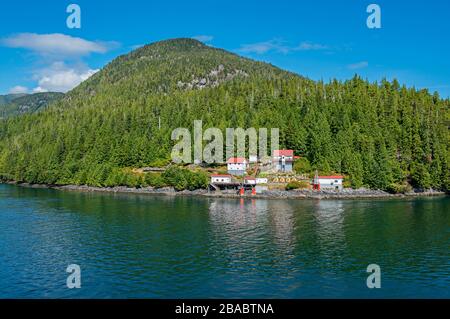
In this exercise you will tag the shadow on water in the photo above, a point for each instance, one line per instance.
(184, 247)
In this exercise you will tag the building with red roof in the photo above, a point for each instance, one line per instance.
(283, 160)
(332, 182)
(237, 166)
(249, 180)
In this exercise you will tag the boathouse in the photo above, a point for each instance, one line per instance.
(329, 182)
(248, 180)
(220, 179)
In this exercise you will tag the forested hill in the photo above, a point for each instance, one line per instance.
(380, 135)
(179, 64)
(5, 99)
(28, 103)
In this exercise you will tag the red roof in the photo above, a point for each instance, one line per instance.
(331, 177)
(249, 178)
(283, 153)
(237, 160)
(221, 175)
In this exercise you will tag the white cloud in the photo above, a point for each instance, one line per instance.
(203, 38)
(279, 46)
(60, 58)
(61, 78)
(18, 90)
(264, 47)
(56, 44)
(359, 65)
(309, 46)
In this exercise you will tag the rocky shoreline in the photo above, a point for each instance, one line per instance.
(272, 194)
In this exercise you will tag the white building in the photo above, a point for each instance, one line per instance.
(262, 185)
(220, 179)
(259, 183)
(250, 180)
(261, 180)
(283, 160)
(331, 182)
(237, 166)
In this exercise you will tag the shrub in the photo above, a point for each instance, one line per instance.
(198, 180)
(302, 165)
(296, 185)
(175, 177)
(396, 188)
(132, 180)
(159, 163)
(154, 180)
(182, 179)
(347, 183)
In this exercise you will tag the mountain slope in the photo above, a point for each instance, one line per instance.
(379, 135)
(5, 99)
(174, 64)
(28, 103)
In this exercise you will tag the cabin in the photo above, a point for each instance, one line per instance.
(221, 179)
(237, 166)
(329, 183)
(283, 160)
(249, 180)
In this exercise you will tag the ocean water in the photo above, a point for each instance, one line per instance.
(140, 246)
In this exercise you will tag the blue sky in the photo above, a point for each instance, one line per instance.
(320, 39)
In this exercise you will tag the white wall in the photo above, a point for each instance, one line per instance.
(220, 180)
(237, 167)
(262, 181)
(330, 183)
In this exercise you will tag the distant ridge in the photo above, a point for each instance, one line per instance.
(5, 99)
(27, 103)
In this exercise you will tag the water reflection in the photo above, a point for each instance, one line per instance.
(329, 216)
(254, 221)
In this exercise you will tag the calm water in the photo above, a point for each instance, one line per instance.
(132, 246)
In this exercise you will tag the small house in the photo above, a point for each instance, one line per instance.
(261, 180)
(249, 180)
(237, 166)
(282, 160)
(330, 182)
(220, 179)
